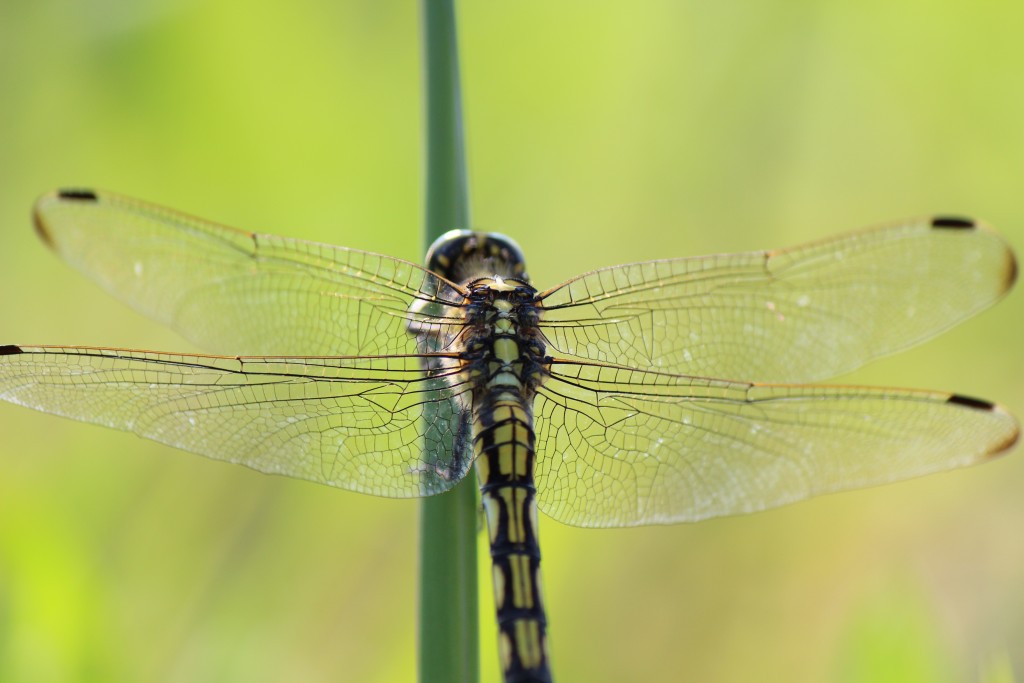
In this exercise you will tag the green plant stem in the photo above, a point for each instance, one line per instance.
(448, 630)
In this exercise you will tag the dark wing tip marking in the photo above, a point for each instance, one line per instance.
(67, 194)
(10, 350)
(1011, 270)
(953, 222)
(40, 224)
(1000, 447)
(970, 402)
(77, 194)
(1010, 442)
(44, 234)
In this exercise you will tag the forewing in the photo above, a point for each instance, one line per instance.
(795, 315)
(622, 447)
(353, 423)
(231, 291)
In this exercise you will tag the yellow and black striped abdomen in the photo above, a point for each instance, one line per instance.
(504, 449)
(502, 359)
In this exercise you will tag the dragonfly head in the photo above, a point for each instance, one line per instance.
(463, 255)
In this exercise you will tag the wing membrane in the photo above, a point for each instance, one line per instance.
(617, 446)
(622, 447)
(231, 291)
(795, 315)
(353, 423)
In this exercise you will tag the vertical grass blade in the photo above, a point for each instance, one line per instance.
(448, 629)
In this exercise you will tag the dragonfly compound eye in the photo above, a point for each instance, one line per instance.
(459, 255)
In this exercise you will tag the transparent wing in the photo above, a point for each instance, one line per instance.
(622, 447)
(795, 315)
(353, 423)
(238, 292)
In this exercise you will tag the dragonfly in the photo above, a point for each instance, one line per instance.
(665, 391)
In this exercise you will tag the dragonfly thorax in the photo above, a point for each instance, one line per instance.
(501, 344)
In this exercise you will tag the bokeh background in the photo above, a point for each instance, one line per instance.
(598, 133)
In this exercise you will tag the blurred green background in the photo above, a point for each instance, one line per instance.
(598, 133)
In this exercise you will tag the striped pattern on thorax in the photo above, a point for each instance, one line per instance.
(502, 359)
